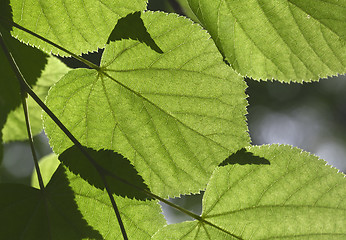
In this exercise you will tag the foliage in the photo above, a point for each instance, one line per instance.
(285, 40)
(163, 115)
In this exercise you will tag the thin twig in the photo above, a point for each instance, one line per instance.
(115, 207)
(183, 210)
(86, 62)
(26, 113)
(99, 168)
(31, 140)
(26, 88)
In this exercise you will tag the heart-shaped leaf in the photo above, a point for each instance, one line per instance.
(175, 115)
(295, 197)
(288, 40)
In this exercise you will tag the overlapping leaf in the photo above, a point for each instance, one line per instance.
(295, 197)
(79, 26)
(48, 165)
(27, 213)
(285, 40)
(174, 115)
(31, 62)
(118, 168)
(14, 128)
(141, 218)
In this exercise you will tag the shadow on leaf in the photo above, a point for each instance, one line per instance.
(243, 157)
(61, 197)
(6, 14)
(132, 27)
(30, 61)
(26, 213)
(113, 163)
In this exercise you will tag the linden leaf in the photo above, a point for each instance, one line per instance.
(175, 115)
(295, 197)
(15, 128)
(114, 163)
(52, 215)
(289, 40)
(141, 218)
(79, 26)
(29, 60)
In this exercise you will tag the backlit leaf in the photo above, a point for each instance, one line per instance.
(110, 161)
(72, 209)
(48, 165)
(79, 26)
(141, 218)
(175, 115)
(30, 61)
(295, 197)
(288, 40)
(15, 128)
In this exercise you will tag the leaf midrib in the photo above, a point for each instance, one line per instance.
(162, 110)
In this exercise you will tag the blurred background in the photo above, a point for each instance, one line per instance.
(310, 116)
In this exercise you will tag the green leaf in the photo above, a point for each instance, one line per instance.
(243, 157)
(288, 40)
(132, 27)
(30, 61)
(295, 197)
(15, 128)
(187, 10)
(72, 209)
(141, 218)
(48, 166)
(112, 162)
(190, 230)
(79, 26)
(27, 213)
(175, 115)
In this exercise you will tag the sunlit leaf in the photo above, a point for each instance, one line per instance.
(72, 209)
(141, 218)
(285, 40)
(184, 4)
(30, 61)
(295, 197)
(113, 163)
(190, 230)
(48, 166)
(174, 115)
(132, 27)
(15, 128)
(79, 26)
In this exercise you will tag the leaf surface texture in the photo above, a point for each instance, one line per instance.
(79, 26)
(15, 128)
(295, 197)
(30, 61)
(287, 40)
(72, 209)
(174, 115)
